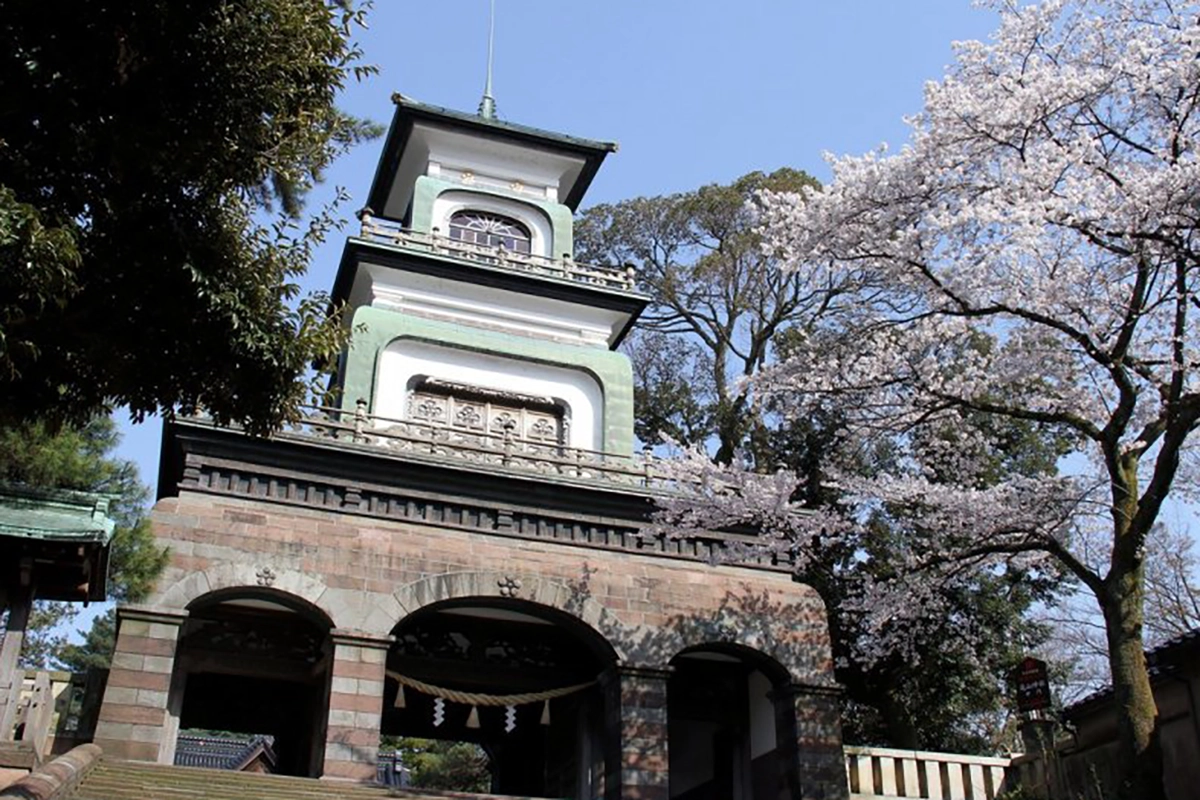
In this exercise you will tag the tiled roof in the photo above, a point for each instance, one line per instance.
(222, 752)
(54, 514)
(1161, 661)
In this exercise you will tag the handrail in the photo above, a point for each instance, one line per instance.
(391, 232)
(881, 772)
(505, 450)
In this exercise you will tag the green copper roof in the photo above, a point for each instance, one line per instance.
(499, 125)
(54, 514)
(409, 112)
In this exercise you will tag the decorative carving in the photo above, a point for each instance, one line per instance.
(504, 421)
(509, 586)
(543, 428)
(468, 417)
(266, 576)
(468, 177)
(517, 186)
(429, 408)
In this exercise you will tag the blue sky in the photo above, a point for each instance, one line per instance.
(695, 91)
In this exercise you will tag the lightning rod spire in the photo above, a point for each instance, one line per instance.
(487, 106)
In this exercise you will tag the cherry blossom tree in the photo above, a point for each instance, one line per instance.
(1031, 255)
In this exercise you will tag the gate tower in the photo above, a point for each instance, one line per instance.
(455, 549)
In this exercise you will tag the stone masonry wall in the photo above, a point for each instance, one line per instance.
(368, 574)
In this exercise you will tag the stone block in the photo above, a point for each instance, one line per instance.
(120, 695)
(140, 715)
(164, 664)
(342, 718)
(126, 660)
(162, 630)
(133, 679)
(355, 702)
(133, 627)
(145, 645)
(374, 655)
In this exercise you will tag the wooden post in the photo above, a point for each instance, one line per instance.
(11, 678)
(41, 709)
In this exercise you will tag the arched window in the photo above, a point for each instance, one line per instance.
(490, 230)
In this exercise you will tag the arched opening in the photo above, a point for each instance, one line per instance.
(250, 665)
(490, 230)
(721, 724)
(456, 659)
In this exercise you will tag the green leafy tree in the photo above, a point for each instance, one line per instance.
(717, 302)
(438, 764)
(80, 458)
(154, 159)
(721, 312)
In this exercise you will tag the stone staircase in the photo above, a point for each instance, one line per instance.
(129, 780)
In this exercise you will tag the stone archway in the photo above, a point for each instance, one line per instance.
(552, 594)
(453, 659)
(248, 577)
(728, 740)
(254, 661)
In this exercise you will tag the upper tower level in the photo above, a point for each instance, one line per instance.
(463, 293)
(535, 176)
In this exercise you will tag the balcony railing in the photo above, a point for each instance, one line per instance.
(389, 232)
(886, 773)
(503, 450)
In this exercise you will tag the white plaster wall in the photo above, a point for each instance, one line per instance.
(488, 307)
(449, 203)
(405, 358)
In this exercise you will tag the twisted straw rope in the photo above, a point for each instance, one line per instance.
(476, 699)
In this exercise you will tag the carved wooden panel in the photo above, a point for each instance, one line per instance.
(460, 408)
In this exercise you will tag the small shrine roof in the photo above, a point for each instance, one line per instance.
(223, 751)
(54, 514)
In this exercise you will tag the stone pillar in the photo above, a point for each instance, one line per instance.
(636, 765)
(355, 705)
(808, 730)
(133, 722)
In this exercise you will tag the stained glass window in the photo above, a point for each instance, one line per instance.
(490, 230)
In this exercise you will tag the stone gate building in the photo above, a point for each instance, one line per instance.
(456, 550)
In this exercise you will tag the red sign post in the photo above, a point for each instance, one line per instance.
(1033, 685)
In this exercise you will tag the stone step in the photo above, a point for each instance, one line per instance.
(132, 780)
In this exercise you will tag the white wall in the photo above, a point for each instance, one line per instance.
(405, 358)
(463, 303)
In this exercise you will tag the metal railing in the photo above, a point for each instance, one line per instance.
(503, 450)
(387, 231)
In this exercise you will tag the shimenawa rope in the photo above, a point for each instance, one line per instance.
(477, 699)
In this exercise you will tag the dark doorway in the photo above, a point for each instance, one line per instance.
(722, 727)
(506, 648)
(252, 665)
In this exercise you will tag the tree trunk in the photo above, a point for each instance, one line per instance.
(1139, 755)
